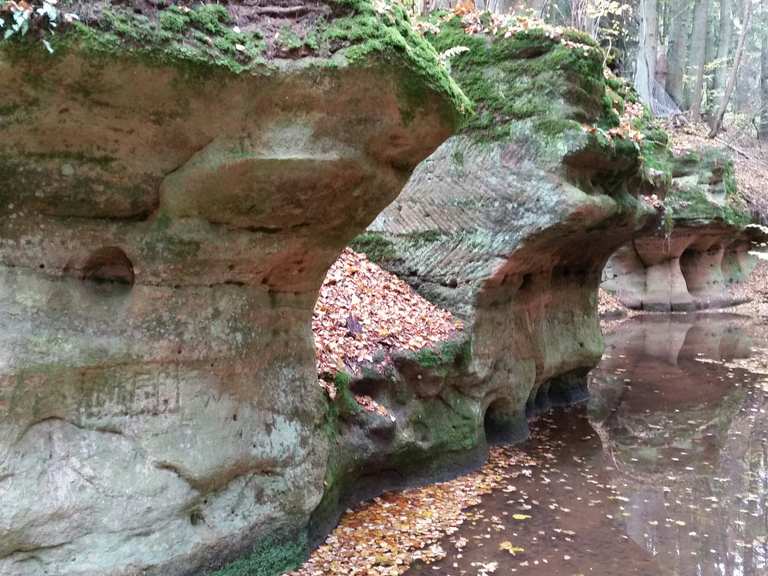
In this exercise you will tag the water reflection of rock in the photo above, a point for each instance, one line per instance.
(686, 439)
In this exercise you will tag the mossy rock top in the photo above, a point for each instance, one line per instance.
(540, 80)
(704, 189)
(237, 37)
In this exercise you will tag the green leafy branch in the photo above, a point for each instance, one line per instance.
(18, 18)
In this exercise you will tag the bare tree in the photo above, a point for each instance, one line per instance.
(725, 39)
(762, 130)
(677, 53)
(717, 122)
(645, 70)
(699, 54)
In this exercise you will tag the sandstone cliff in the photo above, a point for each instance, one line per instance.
(175, 183)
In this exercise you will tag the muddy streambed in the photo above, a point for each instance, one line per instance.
(664, 472)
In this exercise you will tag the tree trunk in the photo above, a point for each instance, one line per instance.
(699, 54)
(666, 21)
(718, 119)
(762, 131)
(725, 39)
(711, 57)
(677, 55)
(645, 69)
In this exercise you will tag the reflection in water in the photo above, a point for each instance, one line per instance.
(664, 473)
(687, 438)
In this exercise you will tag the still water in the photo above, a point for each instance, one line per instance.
(664, 472)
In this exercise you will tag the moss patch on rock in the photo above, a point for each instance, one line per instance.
(205, 38)
(377, 248)
(271, 555)
(704, 189)
(451, 354)
(553, 82)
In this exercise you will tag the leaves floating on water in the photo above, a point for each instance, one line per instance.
(512, 549)
(384, 537)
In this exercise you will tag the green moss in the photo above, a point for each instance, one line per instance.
(417, 240)
(451, 423)
(451, 354)
(729, 182)
(289, 39)
(211, 18)
(345, 400)
(528, 76)
(103, 161)
(375, 246)
(428, 359)
(705, 189)
(173, 20)
(203, 41)
(10, 109)
(270, 556)
(365, 32)
(198, 42)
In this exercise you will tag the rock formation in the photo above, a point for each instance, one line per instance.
(508, 225)
(175, 184)
(699, 254)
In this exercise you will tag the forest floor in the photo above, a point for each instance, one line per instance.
(364, 310)
(750, 158)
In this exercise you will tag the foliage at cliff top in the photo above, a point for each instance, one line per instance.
(237, 37)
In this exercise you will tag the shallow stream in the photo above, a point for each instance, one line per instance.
(664, 472)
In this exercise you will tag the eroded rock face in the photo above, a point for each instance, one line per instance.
(508, 225)
(699, 256)
(165, 225)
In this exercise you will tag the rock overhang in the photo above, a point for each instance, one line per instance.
(698, 250)
(169, 209)
(508, 225)
(332, 135)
